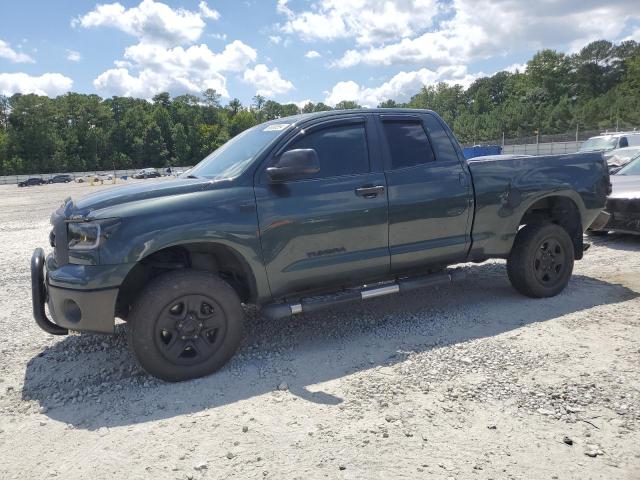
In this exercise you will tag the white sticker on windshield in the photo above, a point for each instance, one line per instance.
(276, 127)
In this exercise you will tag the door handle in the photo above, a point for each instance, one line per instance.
(369, 191)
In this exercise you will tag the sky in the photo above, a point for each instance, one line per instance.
(288, 50)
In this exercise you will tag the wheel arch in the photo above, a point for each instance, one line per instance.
(560, 209)
(215, 257)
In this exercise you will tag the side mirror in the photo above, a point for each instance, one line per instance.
(295, 164)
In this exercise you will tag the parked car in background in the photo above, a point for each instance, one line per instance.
(146, 173)
(103, 177)
(65, 178)
(610, 141)
(623, 205)
(95, 177)
(31, 181)
(618, 158)
(85, 178)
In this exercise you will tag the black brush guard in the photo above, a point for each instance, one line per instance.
(39, 295)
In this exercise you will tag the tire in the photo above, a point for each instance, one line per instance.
(541, 261)
(185, 324)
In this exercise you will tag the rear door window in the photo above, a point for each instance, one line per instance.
(445, 151)
(408, 143)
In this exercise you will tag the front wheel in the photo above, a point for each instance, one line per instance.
(541, 261)
(185, 324)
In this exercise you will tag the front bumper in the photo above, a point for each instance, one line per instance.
(624, 216)
(74, 308)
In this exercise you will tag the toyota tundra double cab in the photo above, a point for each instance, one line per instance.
(300, 213)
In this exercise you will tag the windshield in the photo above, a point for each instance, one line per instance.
(599, 143)
(632, 168)
(233, 157)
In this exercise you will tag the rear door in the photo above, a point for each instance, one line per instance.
(429, 190)
(328, 229)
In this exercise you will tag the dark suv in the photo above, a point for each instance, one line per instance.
(31, 181)
(65, 178)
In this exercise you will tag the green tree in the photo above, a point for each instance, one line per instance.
(234, 107)
(243, 120)
(388, 104)
(550, 71)
(347, 105)
(181, 143)
(211, 98)
(154, 147)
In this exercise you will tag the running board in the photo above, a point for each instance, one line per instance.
(307, 305)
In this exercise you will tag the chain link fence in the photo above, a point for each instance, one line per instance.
(106, 175)
(550, 144)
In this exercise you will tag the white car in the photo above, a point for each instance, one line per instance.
(619, 157)
(611, 141)
(95, 177)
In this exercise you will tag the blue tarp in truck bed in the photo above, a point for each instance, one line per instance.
(481, 151)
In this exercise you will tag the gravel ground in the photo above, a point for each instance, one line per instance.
(468, 381)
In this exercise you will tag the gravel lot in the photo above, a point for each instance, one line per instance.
(469, 381)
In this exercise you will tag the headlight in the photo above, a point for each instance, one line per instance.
(87, 235)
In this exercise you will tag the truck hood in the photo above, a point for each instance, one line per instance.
(625, 186)
(141, 191)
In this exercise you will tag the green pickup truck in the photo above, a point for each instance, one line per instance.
(301, 213)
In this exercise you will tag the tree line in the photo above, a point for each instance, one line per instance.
(597, 87)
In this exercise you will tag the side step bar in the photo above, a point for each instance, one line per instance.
(307, 305)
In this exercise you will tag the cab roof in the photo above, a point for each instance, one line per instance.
(303, 117)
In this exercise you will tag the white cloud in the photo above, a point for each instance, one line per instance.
(10, 54)
(301, 103)
(50, 84)
(400, 87)
(150, 21)
(312, 54)
(515, 68)
(634, 35)
(267, 82)
(73, 56)
(208, 12)
(275, 39)
(176, 70)
(368, 21)
(443, 32)
(283, 8)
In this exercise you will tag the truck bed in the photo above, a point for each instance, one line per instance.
(506, 186)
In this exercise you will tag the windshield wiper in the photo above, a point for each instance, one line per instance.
(192, 176)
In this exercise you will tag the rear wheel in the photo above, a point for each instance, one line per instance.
(541, 261)
(185, 325)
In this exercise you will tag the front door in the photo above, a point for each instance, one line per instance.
(328, 229)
